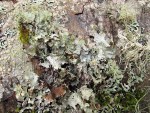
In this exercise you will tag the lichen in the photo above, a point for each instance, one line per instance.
(73, 73)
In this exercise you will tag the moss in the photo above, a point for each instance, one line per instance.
(103, 99)
(23, 34)
(17, 110)
(122, 102)
(128, 100)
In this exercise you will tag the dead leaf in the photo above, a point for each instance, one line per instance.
(58, 91)
(49, 97)
(55, 92)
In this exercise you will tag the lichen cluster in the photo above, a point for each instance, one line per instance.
(95, 66)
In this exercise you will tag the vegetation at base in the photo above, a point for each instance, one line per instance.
(121, 102)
